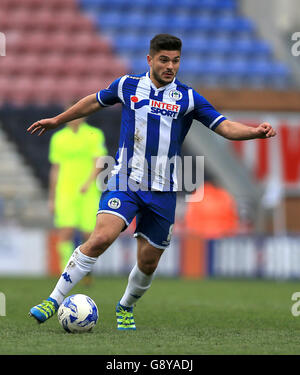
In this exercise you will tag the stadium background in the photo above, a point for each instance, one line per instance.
(237, 54)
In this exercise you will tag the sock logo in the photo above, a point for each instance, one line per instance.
(71, 264)
(67, 277)
(135, 296)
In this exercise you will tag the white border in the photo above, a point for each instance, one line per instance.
(114, 213)
(148, 239)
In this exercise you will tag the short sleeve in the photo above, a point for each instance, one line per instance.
(55, 152)
(110, 95)
(205, 112)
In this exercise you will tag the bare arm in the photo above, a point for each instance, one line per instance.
(83, 108)
(239, 132)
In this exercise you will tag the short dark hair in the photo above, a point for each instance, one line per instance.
(164, 42)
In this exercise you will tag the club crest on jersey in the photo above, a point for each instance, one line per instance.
(157, 107)
(114, 203)
(175, 94)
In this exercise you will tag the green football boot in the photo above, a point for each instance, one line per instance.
(44, 310)
(125, 319)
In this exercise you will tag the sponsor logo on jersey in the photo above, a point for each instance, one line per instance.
(157, 107)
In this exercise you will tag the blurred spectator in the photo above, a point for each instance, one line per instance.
(73, 194)
(215, 216)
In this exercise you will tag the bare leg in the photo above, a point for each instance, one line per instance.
(107, 229)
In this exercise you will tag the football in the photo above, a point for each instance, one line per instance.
(78, 314)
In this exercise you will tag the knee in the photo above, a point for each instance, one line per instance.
(147, 266)
(97, 244)
(148, 257)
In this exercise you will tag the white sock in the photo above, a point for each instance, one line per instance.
(78, 266)
(138, 284)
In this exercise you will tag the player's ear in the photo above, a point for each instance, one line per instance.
(149, 60)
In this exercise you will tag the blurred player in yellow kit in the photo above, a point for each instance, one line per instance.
(73, 194)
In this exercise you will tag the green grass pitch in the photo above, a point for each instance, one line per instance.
(176, 316)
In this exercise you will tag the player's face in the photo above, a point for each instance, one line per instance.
(164, 66)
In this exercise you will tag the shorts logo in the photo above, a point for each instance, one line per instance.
(114, 203)
(175, 94)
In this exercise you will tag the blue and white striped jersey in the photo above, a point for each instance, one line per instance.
(154, 124)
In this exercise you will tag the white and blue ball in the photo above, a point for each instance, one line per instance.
(78, 314)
